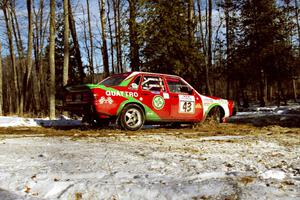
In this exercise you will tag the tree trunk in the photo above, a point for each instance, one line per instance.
(262, 88)
(297, 22)
(133, 37)
(190, 21)
(66, 43)
(1, 82)
(86, 43)
(29, 60)
(21, 61)
(295, 90)
(119, 38)
(104, 43)
(13, 60)
(203, 43)
(228, 45)
(116, 33)
(76, 44)
(17, 34)
(111, 38)
(91, 61)
(117, 23)
(52, 59)
(209, 53)
(40, 70)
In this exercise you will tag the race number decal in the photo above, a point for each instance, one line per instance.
(186, 104)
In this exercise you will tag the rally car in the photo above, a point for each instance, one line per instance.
(132, 99)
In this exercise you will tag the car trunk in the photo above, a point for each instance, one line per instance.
(77, 99)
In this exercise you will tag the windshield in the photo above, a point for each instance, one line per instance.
(113, 80)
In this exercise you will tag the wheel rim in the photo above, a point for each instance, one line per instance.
(133, 118)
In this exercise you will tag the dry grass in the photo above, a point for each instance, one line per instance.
(187, 132)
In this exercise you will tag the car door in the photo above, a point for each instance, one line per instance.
(186, 104)
(154, 95)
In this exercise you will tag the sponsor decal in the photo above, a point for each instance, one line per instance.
(107, 100)
(186, 104)
(158, 102)
(121, 93)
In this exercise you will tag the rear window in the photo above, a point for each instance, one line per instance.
(113, 80)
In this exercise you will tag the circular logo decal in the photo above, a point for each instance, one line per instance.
(158, 102)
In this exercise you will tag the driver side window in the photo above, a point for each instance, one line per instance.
(135, 84)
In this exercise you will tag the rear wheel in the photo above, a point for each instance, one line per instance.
(132, 118)
(214, 115)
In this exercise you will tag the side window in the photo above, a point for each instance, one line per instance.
(135, 84)
(178, 86)
(153, 84)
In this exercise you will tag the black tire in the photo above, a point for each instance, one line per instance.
(132, 117)
(214, 115)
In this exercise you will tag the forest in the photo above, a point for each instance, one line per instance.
(245, 50)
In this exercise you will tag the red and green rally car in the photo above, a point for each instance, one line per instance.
(135, 98)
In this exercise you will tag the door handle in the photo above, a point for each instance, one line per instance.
(145, 94)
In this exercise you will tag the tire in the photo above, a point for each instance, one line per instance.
(214, 115)
(132, 118)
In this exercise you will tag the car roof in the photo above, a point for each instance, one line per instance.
(131, 74)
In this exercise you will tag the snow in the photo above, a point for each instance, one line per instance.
(150, 165)
(273, 174)
(145, 167)
(15, 121)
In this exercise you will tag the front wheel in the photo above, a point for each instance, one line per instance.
(132, 118)
(214, 115)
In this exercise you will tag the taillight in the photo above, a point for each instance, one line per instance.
(96, 96)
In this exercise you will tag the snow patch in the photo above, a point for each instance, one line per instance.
(14, 121)
(273, 174)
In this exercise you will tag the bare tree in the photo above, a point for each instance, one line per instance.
(117, 24)
(133, 36)
(104, 42)
(190, 20)
(298, 30)
(76, 44)
(21, 62)
(111, 38)
(16, 31)
(229, 40)
(297, 22)
(202, 37)
(30, 42)
(209, 47)
(66, 43)
(52, 59)
(31, 69)
(38, 74)
(8, 24)
(91, 59)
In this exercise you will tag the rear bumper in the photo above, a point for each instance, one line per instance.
(78, 109)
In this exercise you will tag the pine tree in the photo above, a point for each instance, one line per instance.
(167, 45)
(261, 42)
